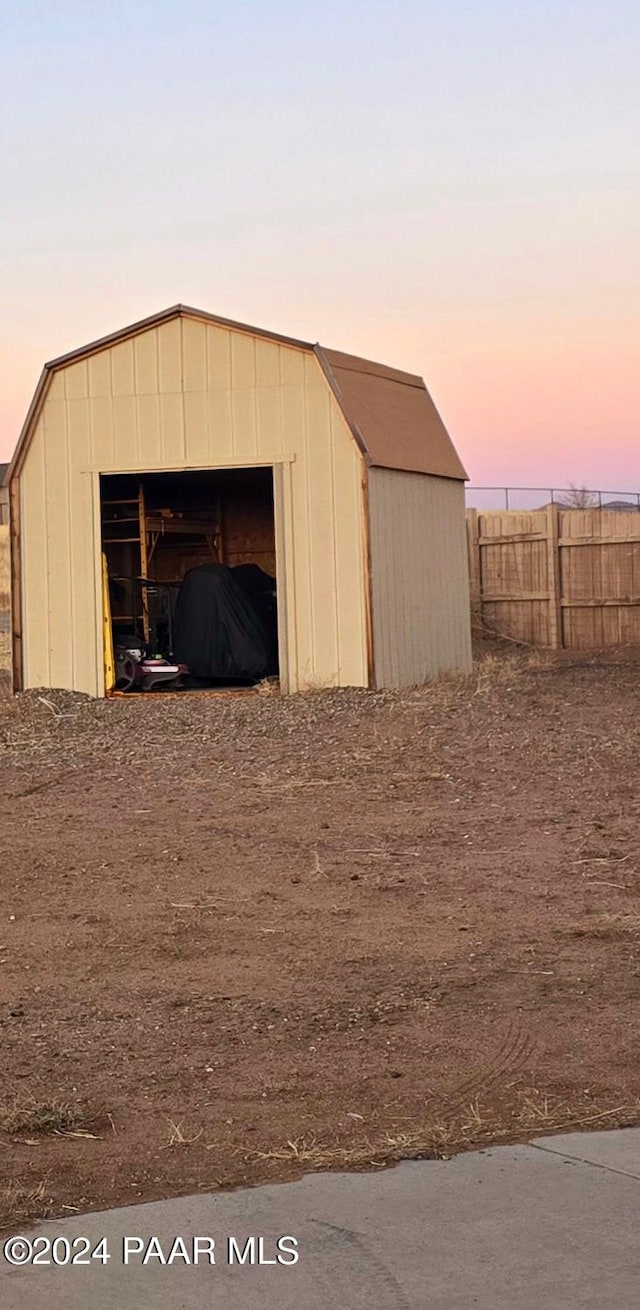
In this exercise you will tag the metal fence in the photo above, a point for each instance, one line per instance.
(533, 498)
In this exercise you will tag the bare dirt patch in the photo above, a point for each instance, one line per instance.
(242, 939)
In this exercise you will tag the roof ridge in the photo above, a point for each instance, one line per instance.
(164, 316)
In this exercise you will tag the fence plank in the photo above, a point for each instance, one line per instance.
(511, 537)
(598, 541)
(503, 598)
(475, 571)
(600, 602)
(553, 569)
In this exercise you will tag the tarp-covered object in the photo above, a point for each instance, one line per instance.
(218, 630)
(260, 588)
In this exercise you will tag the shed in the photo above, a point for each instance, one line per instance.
(208, 439)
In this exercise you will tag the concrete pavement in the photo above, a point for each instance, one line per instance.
(549, 1226)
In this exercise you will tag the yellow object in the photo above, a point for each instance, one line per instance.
(109, 661)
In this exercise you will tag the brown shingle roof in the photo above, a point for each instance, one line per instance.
(394, 414)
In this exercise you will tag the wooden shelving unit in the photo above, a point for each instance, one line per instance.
(160, 525)
(126, 521)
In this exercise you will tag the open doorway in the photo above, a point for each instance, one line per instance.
(189, 579)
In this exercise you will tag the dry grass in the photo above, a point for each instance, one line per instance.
(532, 1114)
(268, 687)
(493, 672)
(608, 927)
(178, 1135)
(25, 1204)
(490, 675)
(32, 1118)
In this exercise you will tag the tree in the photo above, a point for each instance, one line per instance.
(578, 498)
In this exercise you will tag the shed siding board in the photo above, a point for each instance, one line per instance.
(349, 543)
(81, 564)
(269, 417)
(196, 427)
(219, 424)
(194, 354)
(186, 395)
(57, 387)
(285, 550)
(420, 586)
(145, 422)
(122, 366)
(76, 381)
(245, 443)
(122, 423)
(302, 573)
(145, 380)
(59, 545)
(169, 356)
(267, 364)
(35, 573)
(218, 346)
(172, 438)
(100, 375)
(320, 504)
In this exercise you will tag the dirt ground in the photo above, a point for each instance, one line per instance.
(244, 938)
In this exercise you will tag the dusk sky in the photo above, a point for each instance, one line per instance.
(452, 188)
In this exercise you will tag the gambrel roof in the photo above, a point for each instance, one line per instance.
(390, 413)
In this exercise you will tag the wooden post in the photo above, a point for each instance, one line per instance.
(368, 590)
(475, 570)
(556, 634)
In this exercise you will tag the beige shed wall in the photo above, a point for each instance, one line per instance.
(419, 577)
(189, 394)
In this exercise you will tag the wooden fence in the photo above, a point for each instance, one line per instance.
(563, 578)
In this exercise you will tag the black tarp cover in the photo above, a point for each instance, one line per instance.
(260, 587)
(219, 631)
